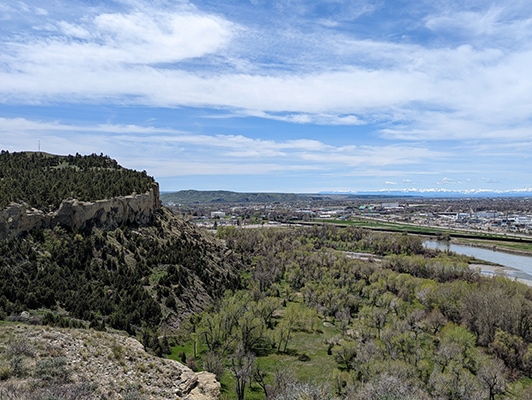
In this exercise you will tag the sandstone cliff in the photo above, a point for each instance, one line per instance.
(138, 209)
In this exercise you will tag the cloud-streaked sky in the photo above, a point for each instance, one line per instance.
(278, 95)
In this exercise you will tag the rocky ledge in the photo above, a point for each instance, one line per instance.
(73, 214)
(93, 365)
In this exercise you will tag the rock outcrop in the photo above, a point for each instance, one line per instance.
(114, 366)
(73, 214)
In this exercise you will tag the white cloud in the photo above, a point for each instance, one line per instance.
(305, 118)
(446, 181)
(74, 31)
(107, 40)
(139, 56)
(40, 11)
(470, 22)
(485, 24)
(474, 102)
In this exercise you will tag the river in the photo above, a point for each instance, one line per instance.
(517, 266)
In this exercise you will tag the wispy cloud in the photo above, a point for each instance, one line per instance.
(225, 151)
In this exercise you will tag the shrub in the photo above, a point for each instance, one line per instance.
(20, 348)
(53, 369)
(5, 372)
(133, 393)
(118, 351)
(17, 366)
(212, 362)
(191, 363)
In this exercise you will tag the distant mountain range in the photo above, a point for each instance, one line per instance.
(525, 192)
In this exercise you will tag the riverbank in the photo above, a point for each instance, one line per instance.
(490, 245)
(499, 270)
(490, 260)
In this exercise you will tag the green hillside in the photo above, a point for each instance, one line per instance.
(228, 197)
(309, 312)
(132, 278)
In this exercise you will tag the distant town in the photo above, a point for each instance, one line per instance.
(496, 215)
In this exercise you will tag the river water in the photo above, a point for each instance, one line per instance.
(517, 266)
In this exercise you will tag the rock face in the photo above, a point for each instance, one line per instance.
(116, 366)
(73, 214)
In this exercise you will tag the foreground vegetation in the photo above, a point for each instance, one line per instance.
(45, 363)
(417, 325)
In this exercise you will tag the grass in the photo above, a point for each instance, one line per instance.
(311, 344)
(317, 370)
(188, 349)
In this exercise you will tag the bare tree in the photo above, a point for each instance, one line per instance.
(242, 367)
(214, 363)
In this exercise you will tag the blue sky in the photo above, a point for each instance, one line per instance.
(278, 95)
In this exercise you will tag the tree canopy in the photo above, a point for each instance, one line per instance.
(43, 181)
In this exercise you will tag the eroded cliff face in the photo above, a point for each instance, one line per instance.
(73, 214)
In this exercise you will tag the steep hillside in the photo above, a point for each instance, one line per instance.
(134, 274)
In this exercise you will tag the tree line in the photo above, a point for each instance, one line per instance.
(43, 181)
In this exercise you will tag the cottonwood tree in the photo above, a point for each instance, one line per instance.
(265, 309)
(251, 331)
(434, 321)
(215, 331)
(265, 270)
(295, 316)
(390, 387)
(491, 374)
(456, 383)
(490, 307)
(345, 355)
(214, 363)
(509, 348)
